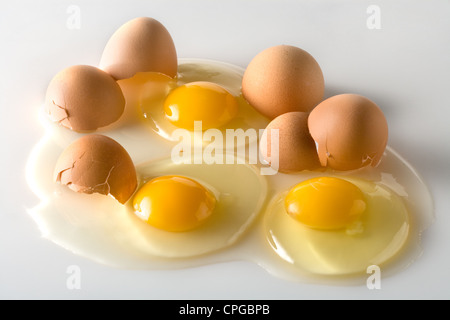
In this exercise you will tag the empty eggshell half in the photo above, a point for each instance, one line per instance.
(350, 130)
(296, 148)
(97, 164)
(282, 79)
(140, 45)
(84, 98)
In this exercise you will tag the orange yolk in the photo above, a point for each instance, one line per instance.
(325, 203)
(200, 101)
(174, 203)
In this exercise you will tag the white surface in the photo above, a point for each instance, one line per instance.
(404, 67)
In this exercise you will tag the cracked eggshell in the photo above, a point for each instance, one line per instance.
(140, 45)
(84, 98)
(296, 148)
(350, 130)
(283, 79)
(97, 164)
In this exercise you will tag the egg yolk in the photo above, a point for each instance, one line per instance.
(174, 203)
(200, 101)
(325, 203)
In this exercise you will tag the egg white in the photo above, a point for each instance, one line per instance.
(100, 228)
(377, 237)
(236, 207)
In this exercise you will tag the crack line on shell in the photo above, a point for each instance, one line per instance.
(65, 111)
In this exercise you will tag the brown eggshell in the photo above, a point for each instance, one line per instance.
(84, 98)
(297, 150)
(97, 164)
(283, 79)
(351, 132)
(140, 45)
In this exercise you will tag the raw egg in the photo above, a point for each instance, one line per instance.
(215, 212)
(206, 94)
(306, 221)
(226, 212)
(337, 226)
(183, 210)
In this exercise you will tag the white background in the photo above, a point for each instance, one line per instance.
(404, 67)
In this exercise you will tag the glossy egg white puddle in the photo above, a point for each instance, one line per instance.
(249, 224)
(380, 235)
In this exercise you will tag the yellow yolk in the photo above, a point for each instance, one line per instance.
(200, 101)
(325, 203)
(174, 203)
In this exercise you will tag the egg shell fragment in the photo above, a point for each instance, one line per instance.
(350, 130)
(296, 147)
(140, 45)
(84, 98)
(97, 164)
(282, 79)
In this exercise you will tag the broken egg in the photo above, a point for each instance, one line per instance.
(84, 98)
(338, 225)
(97, 164)
(282, 79)
(140, 45)
(184, 210)
(296, 148)
(350, 130)
(249, 221)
